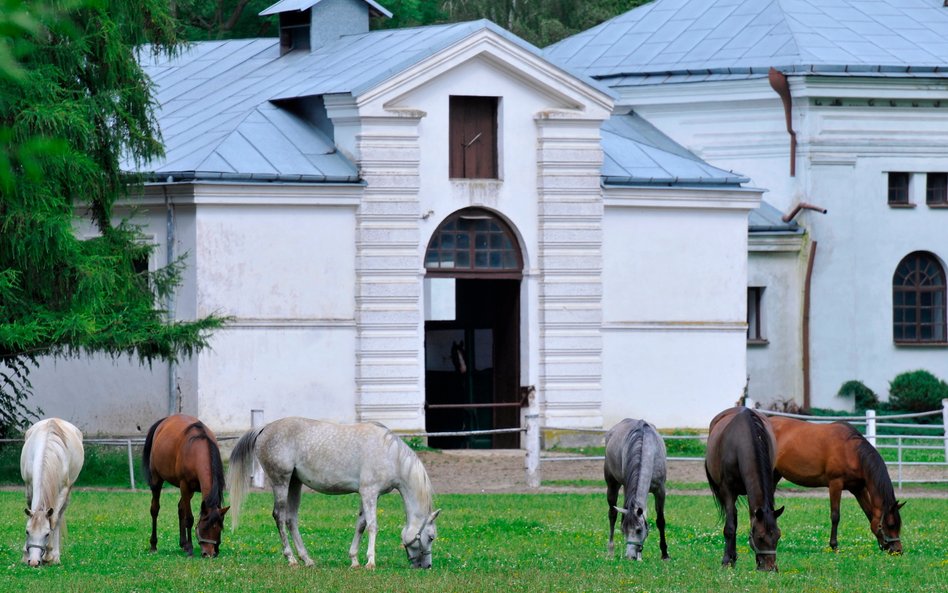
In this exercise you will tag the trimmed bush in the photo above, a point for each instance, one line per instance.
(865, 398)
(917, 391)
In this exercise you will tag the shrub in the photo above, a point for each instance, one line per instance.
(917, 391)
(865, 398)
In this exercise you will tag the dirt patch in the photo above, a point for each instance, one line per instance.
(503, 471)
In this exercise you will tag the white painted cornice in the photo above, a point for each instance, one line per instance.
(776, 242)
(678, 197)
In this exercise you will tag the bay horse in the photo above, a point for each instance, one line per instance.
(182, 451)
(740, 459)
(50, 462)
(838, 457)
(337, 459)
(635, 460)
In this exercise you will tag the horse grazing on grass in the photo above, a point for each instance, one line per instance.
(50, 462)
(337, 459)
(635, 460)
(182, 451)
(837, 456)
(740, 459)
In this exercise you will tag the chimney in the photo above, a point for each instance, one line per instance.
(311, 24)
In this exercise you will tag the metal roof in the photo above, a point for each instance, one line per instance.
(681, 40)
(288, 5)
(767, 219)
(637, 153)
(219, 100)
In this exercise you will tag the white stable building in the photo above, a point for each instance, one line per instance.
(414, 226)
(835, 105)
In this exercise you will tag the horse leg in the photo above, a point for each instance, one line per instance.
(835, 492)
(155, 506)
(280, 493)
(293, 518)
(730, 531)
(185, 520)
(369, 502)
(660, 521)
(357, 538)
(612, 497)
(55, 537)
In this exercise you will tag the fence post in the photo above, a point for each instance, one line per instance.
(131, 466)
(256, 421)
(749, 403)
(532, 420)
(944, 425)
(871, 427)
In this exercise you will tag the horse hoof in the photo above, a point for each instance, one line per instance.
(666, 557)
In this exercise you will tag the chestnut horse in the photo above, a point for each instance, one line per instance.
(837, 456)
(182, 451)
(740, 460)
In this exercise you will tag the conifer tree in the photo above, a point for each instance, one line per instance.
(74, 103)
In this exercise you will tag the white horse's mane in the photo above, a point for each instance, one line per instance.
(412, 470)
(48, 466)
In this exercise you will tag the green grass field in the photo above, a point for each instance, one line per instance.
(487, 542)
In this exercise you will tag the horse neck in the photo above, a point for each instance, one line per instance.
(760, 491)
(211, 483)
(639, 479)
(877, 480)
(414, 486)
(46, 482)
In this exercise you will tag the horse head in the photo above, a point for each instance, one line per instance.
(418, 543)
(209, 527)
(635, 530)
(39, 525)
(764, 535)
(888, 529)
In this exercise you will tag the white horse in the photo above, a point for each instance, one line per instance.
(336, 459)
(49, 464)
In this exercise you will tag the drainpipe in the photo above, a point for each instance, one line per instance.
(807, 283)
(801, 206)
(778, 82)
(169, 302)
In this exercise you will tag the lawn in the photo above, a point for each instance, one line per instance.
(487, 542)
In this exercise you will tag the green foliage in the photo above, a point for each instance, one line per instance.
(917, 391)
(865, 398)
(73, 106)
(224, 19)
(486, 542)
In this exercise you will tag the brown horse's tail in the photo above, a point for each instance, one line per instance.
(146, 451)
(240, 471)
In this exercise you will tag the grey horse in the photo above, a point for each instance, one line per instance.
(635, 460)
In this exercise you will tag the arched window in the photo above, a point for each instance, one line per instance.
(474, 242)
(918, 300)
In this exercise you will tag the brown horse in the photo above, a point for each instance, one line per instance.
(837, 456)
(182, 451)
(740, 461)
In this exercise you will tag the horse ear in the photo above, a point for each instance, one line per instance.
(778, 512)
(224, 511)
(639, 511)
(28, 512)
(49, 513)
(433, 516)
(759, 514)
(621, 511)
(899, 505)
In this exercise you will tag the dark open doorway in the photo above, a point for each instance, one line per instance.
(472, 342)
(472, 366)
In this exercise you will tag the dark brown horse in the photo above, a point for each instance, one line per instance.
(837, 456)
(182, 451)
(740, 461)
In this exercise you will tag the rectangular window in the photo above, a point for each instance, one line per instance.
(755, 325)
(936, 189)
(472, 132)
(898, 189)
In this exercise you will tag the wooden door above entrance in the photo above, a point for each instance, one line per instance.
(472, 331)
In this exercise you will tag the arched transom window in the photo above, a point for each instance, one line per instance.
(918, 298)
(474, 242)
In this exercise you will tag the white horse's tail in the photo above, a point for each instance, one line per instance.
(240, 472)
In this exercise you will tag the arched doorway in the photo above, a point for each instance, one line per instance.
(474, 266)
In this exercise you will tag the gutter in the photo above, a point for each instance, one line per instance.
(185, 176)
(778, 82)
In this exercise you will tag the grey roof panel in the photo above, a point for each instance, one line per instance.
(767, 219)
(880, 38)
(637, 153)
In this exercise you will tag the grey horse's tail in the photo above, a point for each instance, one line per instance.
(240, 471)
